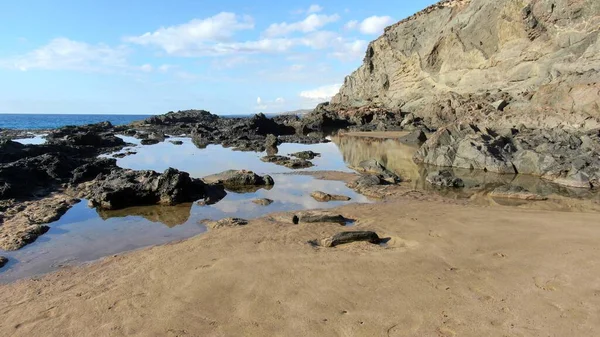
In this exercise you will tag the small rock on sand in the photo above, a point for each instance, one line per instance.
(3, 261)
(325, 197)
(318, 216)
(226, 222)
(348, 237)
(263, 201)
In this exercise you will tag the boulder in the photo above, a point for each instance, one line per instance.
(326, 197)
(149, 141)
(365, 180)
(416, 137)
(349, 237)
(239, 179)
(3, 261)
(375, 167)
(126, 188)
(444, 178)
(271, 141)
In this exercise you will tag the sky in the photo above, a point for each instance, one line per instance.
(151, 56)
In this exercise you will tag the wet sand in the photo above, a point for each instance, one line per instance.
(450, 268)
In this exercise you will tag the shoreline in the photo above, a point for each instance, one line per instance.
(450, 261)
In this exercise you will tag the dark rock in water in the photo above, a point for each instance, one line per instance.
(263, 201)
(416, 137)
(126, 188)
(373, 166)
(239, 179)
(515, 192)
(183, 117)
(176, 142)
(271, 141)
(307, 155)
(320, 216)
(287, 161)
(227, 222)
(364, 181)
(91, 170)
(326, 197)
(3, 261)
(149, 141)
(348, 237)
(444, 178)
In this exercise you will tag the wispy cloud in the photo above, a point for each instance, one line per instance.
(311, 23)
(370, 26)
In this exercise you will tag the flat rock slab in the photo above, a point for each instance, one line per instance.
(3, 261)
(308, 155)
(227, 222)
(515, 192)
(318, 216)
(263, 201)
(326, 197)
(348, 237)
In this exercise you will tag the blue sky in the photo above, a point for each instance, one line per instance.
(149, 57)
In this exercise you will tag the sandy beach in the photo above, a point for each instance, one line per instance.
(448, 269)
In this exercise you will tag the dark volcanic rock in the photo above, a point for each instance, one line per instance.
(287, 161)
(92, 169)
(149, 141)
(3, 261)
(239, 180)
(307, 155)
(183, 117)
(444, 178)
(125, 188)
(348, 237)
(176, 142)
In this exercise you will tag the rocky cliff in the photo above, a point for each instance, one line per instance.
(453, 60)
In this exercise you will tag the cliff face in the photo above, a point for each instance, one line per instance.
(449, 61)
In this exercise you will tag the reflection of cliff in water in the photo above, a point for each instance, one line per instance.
(398, 157)
(170, 216)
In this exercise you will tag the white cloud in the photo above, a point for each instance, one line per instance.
(146, 68)
(165, 68)
(258, 101)
(279, 100)
(350, 50)
(375, 24)
(310, 24)
(194, 34)
(321, 94)
(268, 105)
(65, 54)
(314, 9)
(350, 25)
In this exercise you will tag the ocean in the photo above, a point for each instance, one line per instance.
(51, 121)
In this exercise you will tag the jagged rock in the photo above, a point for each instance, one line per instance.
(500, 105)
(375, 167)
(91, 170)
(263, 201)
(239, 179)
(183, 117)
(227, 222)
(3, 261)
(326, 197)
(287, 161)
(444, 178)
(271, 141)
(515, 192)
(149, 141)
(319, 216)
(365, 181)
(307, 155)
(349, 237)
(126, 188)
(415, 137)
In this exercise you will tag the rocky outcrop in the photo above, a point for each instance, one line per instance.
(126, 188)
(240, 180)
(568, 158)
(288, 162)
(491, 62)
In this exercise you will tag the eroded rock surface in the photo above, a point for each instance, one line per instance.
(238, 180)
(227, 222)
(326, 197)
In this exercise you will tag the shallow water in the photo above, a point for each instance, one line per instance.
(83, 234)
